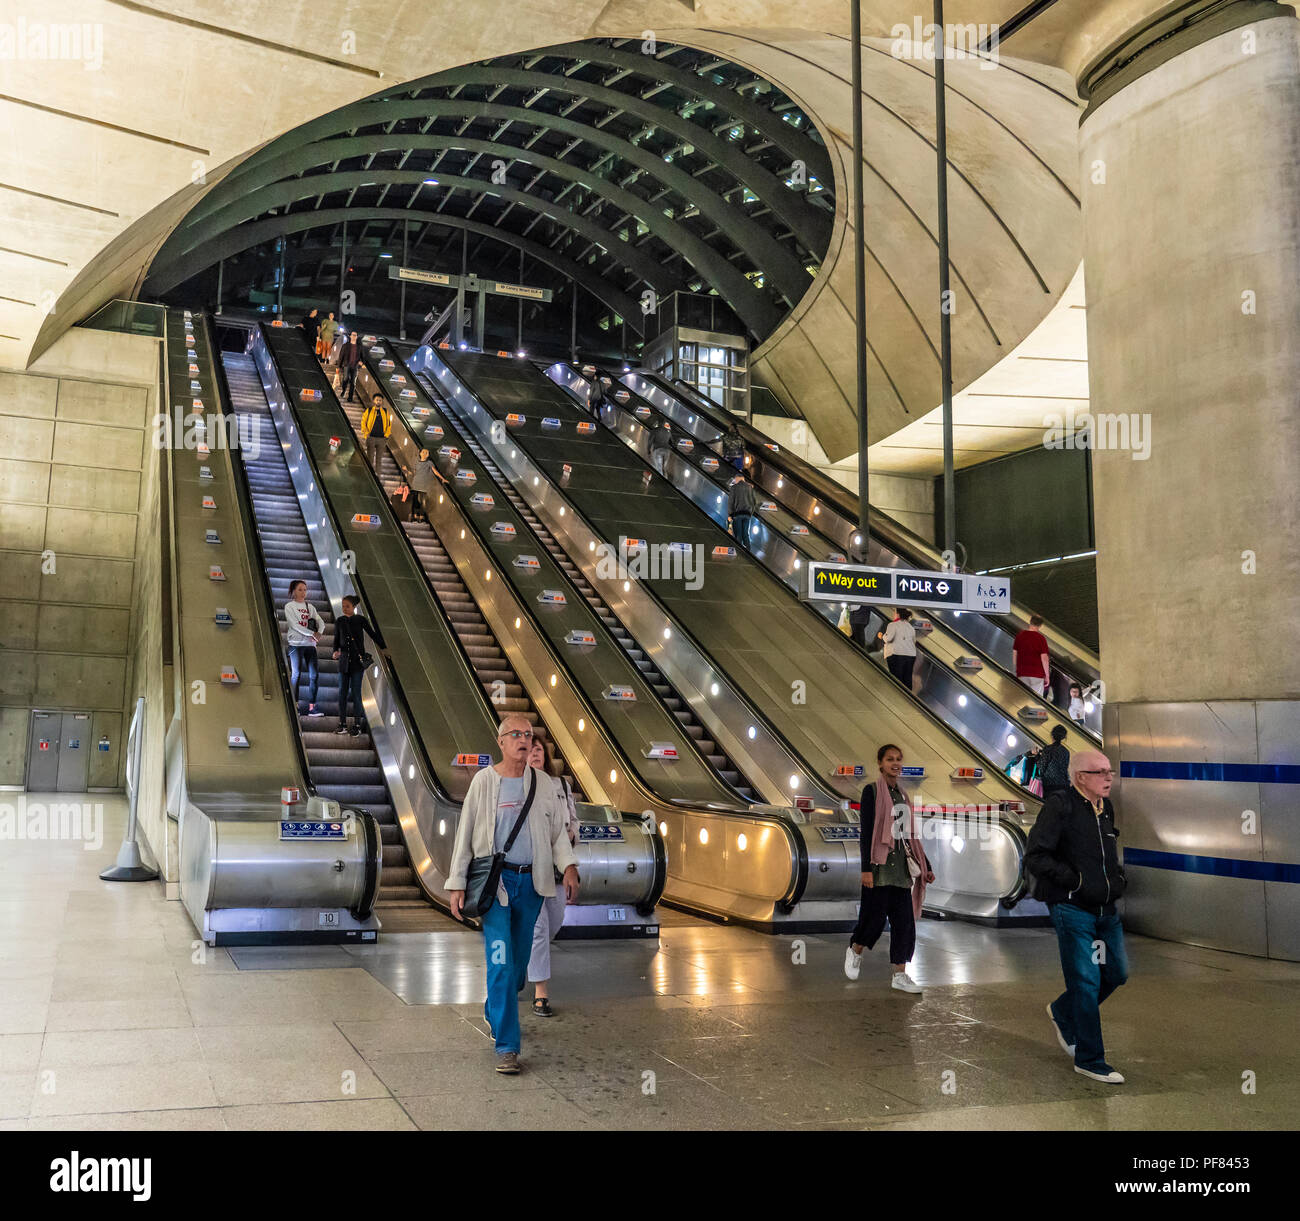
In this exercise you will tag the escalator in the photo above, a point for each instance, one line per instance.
(973, 695)
(806, 491)
(810, 682)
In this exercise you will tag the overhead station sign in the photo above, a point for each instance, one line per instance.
(906, 587)
(469, 283)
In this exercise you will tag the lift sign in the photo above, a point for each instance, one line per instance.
(768, 506)
(798, 529)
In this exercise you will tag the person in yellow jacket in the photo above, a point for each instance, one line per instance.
(376, 426)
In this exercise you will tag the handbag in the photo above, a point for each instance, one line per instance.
(484, 874)
(913, 865)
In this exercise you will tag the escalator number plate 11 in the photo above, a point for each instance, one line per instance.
(365, 519)
(526, 561)
(551, 597)
(466, 476)
(471, 760)
(967, 773)
(309, 396)
(503, 528)
(448, 451)
(799, 529)
(661, 750)
(216, 573)
(619, 693)
(580, 637)
(585, 427)
(481, 500)
(550, 422)
(768, 506)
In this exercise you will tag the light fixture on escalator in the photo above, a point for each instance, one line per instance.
(663, 829)
(668, 633)
(742, 841)
(753, 733)
(961, 701)
(1011, 741)
(714, 689)
(857, 540)
(582, 724)
(794, 782)
(613, 776)
(704, 835)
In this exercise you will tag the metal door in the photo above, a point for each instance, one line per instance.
(74, 752)
(43, 751)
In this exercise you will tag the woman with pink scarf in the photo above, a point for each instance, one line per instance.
(895, 873)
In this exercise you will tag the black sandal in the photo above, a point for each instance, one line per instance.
(542, 1007)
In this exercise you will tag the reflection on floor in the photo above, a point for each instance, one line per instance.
(111, 1016)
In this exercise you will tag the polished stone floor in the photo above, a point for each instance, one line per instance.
(110, 1017)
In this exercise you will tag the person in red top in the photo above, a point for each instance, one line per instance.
(1032, 665)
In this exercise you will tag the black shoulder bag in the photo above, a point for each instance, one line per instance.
(484, 875)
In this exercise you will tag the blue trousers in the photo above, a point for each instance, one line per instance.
(1083, 938)
(303, 656)
(508, 945)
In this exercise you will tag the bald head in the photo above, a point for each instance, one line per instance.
(1091, 773)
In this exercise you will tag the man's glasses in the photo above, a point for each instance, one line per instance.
(516, 734)
(1105, 771)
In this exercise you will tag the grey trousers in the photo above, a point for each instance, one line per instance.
(549, 922)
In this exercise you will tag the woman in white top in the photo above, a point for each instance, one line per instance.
(551, 918)
(900, 647)
(301, 615)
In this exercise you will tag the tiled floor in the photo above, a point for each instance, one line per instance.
(112, 1016)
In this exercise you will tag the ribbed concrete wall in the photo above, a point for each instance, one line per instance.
(73, 436)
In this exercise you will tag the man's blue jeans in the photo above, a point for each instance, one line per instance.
(1092, 972)
(508, 944)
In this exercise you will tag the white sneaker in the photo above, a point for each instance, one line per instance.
(1068, 1048)
(1109, 1078)
(904, 982)
(852, 963)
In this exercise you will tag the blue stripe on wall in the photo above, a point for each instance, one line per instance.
(1247, 773)
(1219, 866)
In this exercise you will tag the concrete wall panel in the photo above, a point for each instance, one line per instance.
(26, 439)
(18, 680)
(22, 395)
(92, 445)
(84, 629)
(90, 581)
(13, 744)
(103, 403)
(90, 488)
(19, 625)
(22, 571)
(67, 681)
(91, 532)
(25, 482)
(22, 527)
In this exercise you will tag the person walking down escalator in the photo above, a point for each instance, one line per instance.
(376, 428)
(551, 918)
(310, 327)
(895, 872)
(305, 628)
(742, 508)
(350, 630)
(900, 647)
(1054, 764)
(328, 329)
(661, 441)
(733, 447)
(349, 359)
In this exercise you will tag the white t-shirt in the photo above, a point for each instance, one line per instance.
(300, 616)
(900, 639)
(509, 802)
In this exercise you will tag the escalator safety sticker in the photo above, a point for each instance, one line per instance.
(503, 529)
(194, 369)
(839, 832)
(566, 471)
(189, 341)
(724, 553)
(290, 795)
(196, 407)
(308, 395)
(482, 500)
(209, 503)
(631, 544)
(365, 520)
(586, 427)
(526, 561)
(577, 636)
(312, 830)
(709, 464)
(205, 472)
(552, 597)
(776, 449)
(377, 350)
(643, 412)
(685, 444)
(471, 760)
(223, 617)
(195, 387)
(216, 573)
(422, 413)
(588, 832)
(550, 422)
(968, 663)
(768, 506)
(620, 693)
(230, 676)
(406, 395)
(370, 339)
(211, 536)
(588, 370)
(913, 773)
(515, 418)
(1030, 713)
(849, 769)
(203, 450)
(386, 365)
(434, 430)
(398, 379)
(448, 451)
(680, 548)
(465, 475)
(967, 773)
(622, 396)
(661, 750)
(836, 558)
(799, 529)
(920, 626)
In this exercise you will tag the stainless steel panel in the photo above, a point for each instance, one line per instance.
(1200, 909)
(1278, 724)
(1210, 732)
(43, 765)
(1282, 913)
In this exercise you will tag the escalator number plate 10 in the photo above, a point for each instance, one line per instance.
(724, 553)
(482, 500)
(526, 561)
(967, 773)
(619, 693)
(585, 427)
(466, 476)
(551, 597)
(386, 364)
(768, 506)
(503, 528)
(365, 520)
(578, 636)
(799, 529)
(471, 760)
(448, 451)
(550, 422)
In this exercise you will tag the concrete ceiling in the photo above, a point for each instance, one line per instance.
(105, 152)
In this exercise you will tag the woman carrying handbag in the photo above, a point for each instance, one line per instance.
(511, 841)
(551, 919)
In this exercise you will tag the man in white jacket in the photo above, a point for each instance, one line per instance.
(540, 850)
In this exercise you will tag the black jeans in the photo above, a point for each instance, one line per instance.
(350, 687)
(892, 903)
(349, 384)
(901, 668)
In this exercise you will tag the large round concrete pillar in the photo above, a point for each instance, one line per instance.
(1190, 168)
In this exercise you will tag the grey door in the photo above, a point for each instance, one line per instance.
(74, 752)
(43, 751)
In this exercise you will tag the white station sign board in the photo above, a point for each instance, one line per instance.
(858, 583)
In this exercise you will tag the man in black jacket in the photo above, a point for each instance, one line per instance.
(349, 359)
(742, 508)
(1073, 855)
(349, 652)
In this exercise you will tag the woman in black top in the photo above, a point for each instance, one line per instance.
(1054, 764)
(349, 652)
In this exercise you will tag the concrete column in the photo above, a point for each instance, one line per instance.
(1190, 176)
